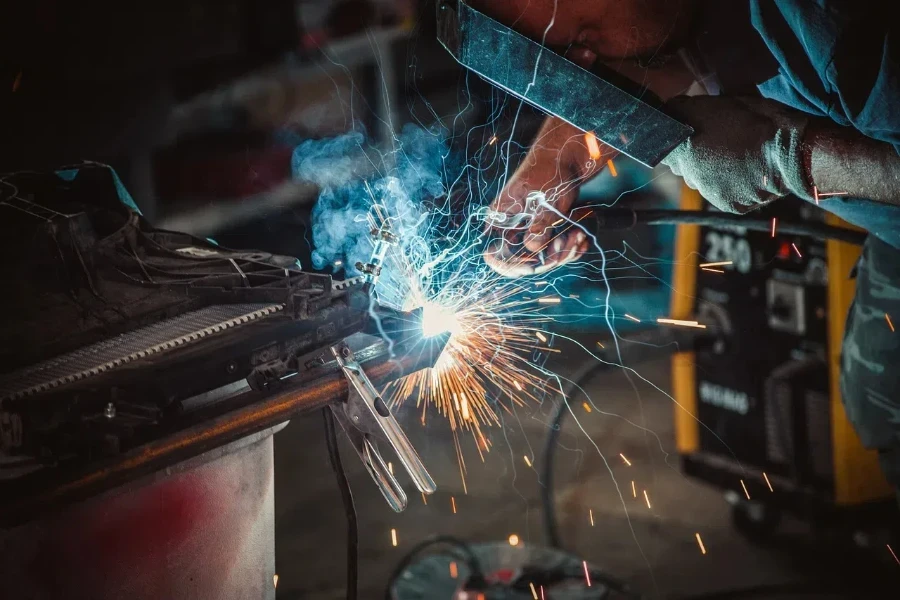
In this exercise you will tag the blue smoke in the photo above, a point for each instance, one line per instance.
(350, 173)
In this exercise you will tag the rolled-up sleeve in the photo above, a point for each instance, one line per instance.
(837, 58)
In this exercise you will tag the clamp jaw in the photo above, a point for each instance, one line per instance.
(365, 416)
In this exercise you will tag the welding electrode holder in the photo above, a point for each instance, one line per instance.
(365, 416)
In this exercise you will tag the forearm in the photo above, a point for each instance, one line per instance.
(842, 161)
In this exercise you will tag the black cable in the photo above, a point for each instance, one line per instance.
(475, 574)
(626, 218)
(334, 457)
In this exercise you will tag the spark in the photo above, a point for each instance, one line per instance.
(633, 489)
(540, 336)
(549, 300)
(465, 408)
(647, 498)
(891, 550)
(768, 483)
(816, 194)
(587, 575)
(682, 323)
(338, 263)
(527, 461)
(796, 250)
(711, 270)
(890, 323)
(542, 593)
(453, 503)
(612, 168)
(830, 194)
(391, 467)
(700, 543)
(540, 283)
(394, 537)
(587, 407)
(513, 540)
(601, 345)
(534, 594)
(627, 462)
(591, 515)
(493, 141)
(518, 385)
(275, 580)
(774, 224)
(746, 493)
(635, 319)
(593, 147)
(424, 499)
(723, 263)
(454, 570)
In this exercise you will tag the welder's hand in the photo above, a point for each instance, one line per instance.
(745, 152)
(531, 233)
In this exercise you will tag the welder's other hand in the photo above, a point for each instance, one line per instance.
(745, 152)
(537, 197)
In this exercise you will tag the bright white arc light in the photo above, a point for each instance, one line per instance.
(438, 319)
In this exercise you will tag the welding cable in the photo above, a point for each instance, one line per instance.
(334, 457)
(626, 218)
(476, 577)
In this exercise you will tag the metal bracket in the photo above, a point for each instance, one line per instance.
(365, 416)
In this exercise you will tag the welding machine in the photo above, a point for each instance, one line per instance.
(760, 414)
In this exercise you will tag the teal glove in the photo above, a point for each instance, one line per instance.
(745, 152)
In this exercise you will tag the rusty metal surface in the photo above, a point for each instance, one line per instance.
(51, 489)
(202, 529)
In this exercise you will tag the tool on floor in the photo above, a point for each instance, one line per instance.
(592, 101)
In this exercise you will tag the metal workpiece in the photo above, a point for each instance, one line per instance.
(249, 412)
(557, 86)
(365, 416)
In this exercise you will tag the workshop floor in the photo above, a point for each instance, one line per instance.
(653, 548)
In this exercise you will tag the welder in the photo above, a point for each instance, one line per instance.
(786, 97)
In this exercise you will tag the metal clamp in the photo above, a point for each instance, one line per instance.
(363, 417)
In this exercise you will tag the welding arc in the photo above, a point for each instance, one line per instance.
(334, 457)
(626, 218)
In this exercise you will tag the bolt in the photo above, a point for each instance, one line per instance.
(345, 352)
(110, 411)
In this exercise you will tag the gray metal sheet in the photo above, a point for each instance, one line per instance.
(123, 349)
(556, 85)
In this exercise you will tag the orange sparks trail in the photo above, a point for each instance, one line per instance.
(542, 593)
(454, 571)
(587, 575)
(647, 498)
(774, 223)
(591, 515)
(681, 323)
(391, 467)
(768, 483)
(723, 263)
(891, 550)
(533, 591)
(635, 319)
(527, 461)
(513, 540)
(700, 543)
(493, 141)
(796, 250)
(612, 168)
(627, 462)
(394, 537)
(549, 300)
(633, 490)
(453, 503)
(424, 500)
(887, 318)
(275, 580)
(587, 407)
(601, 345)
(711, 270)
(593, 147)
(746, 493)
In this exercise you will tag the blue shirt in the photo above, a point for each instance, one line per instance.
(839, 59)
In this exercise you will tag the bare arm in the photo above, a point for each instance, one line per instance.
(842, 161)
